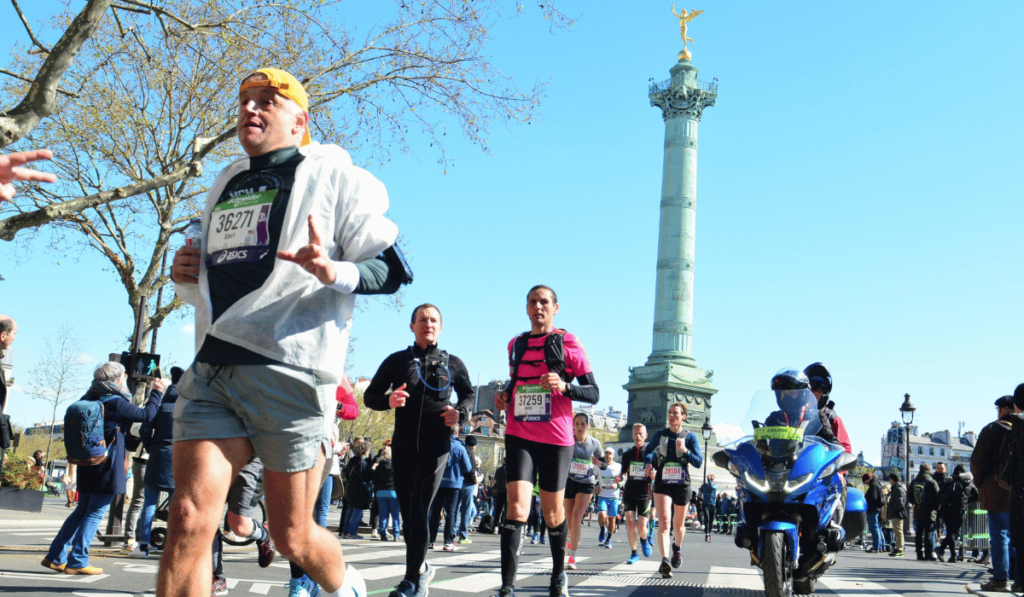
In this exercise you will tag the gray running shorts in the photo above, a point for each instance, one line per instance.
(247, 489)
(286, 412)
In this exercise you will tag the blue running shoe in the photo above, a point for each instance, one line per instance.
(303, 587)
(633, 559)
(646, 547)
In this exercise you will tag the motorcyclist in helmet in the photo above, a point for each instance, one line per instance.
(832, 428)
(794, 399)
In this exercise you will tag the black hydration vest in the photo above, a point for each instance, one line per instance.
(554, 355)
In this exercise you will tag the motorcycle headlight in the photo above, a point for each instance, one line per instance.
(794, 484)
(828, 472)
(758, 484)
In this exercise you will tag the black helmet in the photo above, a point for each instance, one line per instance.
(819, 377)
(790, 379)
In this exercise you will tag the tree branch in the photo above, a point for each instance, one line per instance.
(42, 95)
(4, 71)
(68, 209)
(28, 29)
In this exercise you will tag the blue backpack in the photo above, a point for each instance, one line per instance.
(83, 433)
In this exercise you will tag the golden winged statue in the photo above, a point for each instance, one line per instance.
(685, 18)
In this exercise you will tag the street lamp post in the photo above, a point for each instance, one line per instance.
(706, 430)
(907, 414)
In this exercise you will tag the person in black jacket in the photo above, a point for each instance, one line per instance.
(157, 438)
(98, 484)
(417, 382)
(875, 500)
(925, 492)
(896, 512)
(958, 491)
(358, 486)
(387, 499)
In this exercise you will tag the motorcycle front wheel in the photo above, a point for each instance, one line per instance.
(778, 577)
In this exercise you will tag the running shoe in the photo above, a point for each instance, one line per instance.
(266, 550)
(677, 558)
(608, 542)
(665, 569)
(646, 547)
(633, 559)
(543, 540)
(423, 586)
(139, 551)
(571, 564)
(465, 541)
(448, 547)
(533, 540)
(404, 589)
(303, 587)
(600, 537)
(219, 588)
(559, 586)
(431, 546)
(505, 592)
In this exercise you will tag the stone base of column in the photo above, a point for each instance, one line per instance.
(655, 386)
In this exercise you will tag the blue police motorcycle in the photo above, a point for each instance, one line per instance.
(790, 490)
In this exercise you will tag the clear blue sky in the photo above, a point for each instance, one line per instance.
(859, 203)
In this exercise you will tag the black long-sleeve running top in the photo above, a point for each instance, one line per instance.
(418, 424)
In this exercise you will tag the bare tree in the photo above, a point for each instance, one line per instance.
(59, 373)
(153, 100)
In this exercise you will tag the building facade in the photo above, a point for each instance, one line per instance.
(930, 447)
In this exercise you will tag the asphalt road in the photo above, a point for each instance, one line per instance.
(710, 569)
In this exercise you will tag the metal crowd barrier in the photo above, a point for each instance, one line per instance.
(975, 529)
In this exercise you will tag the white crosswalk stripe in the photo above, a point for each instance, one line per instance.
(484, 581)
(849, 585)
(733, 578)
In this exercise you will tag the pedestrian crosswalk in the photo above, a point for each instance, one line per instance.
(471, 572)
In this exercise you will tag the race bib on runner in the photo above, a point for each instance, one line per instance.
(636, 470)
(673, 473)
(533, 404)
(607, 482)
(239, 229)
(579, 468)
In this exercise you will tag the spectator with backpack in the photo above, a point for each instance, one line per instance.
(94, 439)
(986, 465)
(958, 491)
(925, 492)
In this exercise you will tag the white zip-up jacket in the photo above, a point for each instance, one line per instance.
(293, 318)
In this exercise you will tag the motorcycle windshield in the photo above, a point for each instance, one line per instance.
(783, 420)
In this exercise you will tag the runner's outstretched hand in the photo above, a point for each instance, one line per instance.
(313, 257)
(11, 170)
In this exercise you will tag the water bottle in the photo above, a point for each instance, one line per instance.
(194, 233)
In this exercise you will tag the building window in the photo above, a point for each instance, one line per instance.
(942, 452)
(931, 451)
(920, 450)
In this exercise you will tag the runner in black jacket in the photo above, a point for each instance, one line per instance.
(420, 379)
